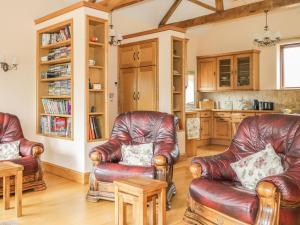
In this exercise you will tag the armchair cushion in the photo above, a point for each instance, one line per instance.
(137, 155)
(10, 150)
(253, 168)
(226, 197)
(108, 172)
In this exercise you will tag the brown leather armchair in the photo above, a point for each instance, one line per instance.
(216, 196)
(135, 128)
(10, 130)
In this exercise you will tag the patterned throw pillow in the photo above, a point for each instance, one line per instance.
(9, 150)
(250, 170)
(137, 155)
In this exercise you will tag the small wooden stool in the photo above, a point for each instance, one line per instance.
(8, 169)
(138, 191)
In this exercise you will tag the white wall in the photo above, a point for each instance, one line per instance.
(237, 35)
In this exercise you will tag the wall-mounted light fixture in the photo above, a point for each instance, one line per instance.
(115, 38)
(5, 66)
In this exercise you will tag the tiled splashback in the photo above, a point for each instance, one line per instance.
(282, 99)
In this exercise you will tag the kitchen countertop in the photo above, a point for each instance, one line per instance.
(231, 110)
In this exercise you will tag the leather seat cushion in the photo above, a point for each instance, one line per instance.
(30, 164)
(108, 172)
(226, 197)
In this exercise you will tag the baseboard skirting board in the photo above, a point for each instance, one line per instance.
(82, 178)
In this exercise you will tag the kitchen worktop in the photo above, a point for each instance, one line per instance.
(191, 111)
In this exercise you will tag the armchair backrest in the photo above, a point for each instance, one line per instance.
(10, 128)
(141, 127)
(282, 131)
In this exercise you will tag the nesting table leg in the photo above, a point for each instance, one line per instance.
(18, 192)
(6, 192)
(162, 207)
(152, 210)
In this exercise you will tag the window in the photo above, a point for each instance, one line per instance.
(290, 66)
(190, 90)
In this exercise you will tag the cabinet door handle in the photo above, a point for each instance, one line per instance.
(138, 55)
(134, 56)
(134, 96)
(138, 96)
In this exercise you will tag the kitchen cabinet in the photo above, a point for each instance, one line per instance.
(138, 76)
(138, 55)
(222, 128)
(137, 89)
(234, 71)
(206, 74)
(236, 119)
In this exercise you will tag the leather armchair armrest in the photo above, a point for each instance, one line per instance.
(215, 167)
(196, 170)
(110, 151)
(30, 148)
(160, 163)
(269, 204)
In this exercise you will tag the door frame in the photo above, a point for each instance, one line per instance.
(156, 65)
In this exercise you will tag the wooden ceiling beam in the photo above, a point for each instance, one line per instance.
(204, 5)
(237, 12)
(170, 12)
(219, 5)
(117, 4)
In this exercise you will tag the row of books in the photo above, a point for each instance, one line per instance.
(60, 88)
(55, 37)
(62, 107)
(56, 126)
(95, 130)
(57, 53)
(59, 70)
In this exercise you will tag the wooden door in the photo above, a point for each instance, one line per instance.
(207, 74)
(222, 128)
(205, 128)
(128, 56)
(243, 75)
(147, 54)
(146, 91)
(128, 90)
(225, 73)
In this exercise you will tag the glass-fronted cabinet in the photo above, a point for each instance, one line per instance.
(243, 71)
(225, 70)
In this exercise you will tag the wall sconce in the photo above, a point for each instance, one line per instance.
(5, 66)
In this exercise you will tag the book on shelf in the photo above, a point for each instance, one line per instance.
(57, 88)
(57, 53)
(59, 70)
(63, 34)
(95, 131)
(55, 126)
(51, 106)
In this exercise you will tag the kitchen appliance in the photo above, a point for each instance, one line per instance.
(255, 104)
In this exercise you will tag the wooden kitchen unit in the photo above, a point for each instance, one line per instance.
(217, 126)
(228, 71)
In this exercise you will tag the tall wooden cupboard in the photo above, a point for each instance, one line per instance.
(138, 76)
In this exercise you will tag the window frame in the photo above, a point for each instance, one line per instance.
(282, 76)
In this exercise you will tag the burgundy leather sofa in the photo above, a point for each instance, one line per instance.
(216, 196)
(130, 129)
(10, 130)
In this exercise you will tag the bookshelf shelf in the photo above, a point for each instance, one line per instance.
(56, 79)
(96, 44)
(55, 112)
(96, 67)
(57, 45)
(56, 61)
(96, 74)
(55, 115)
(177, 77)
(56, 97)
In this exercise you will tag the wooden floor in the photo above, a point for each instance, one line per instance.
(64, 201)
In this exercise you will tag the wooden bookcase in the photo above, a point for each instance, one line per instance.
(50, 94)
(178, 79)
(96, 78)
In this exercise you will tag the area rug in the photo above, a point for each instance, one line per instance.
(10, 222)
